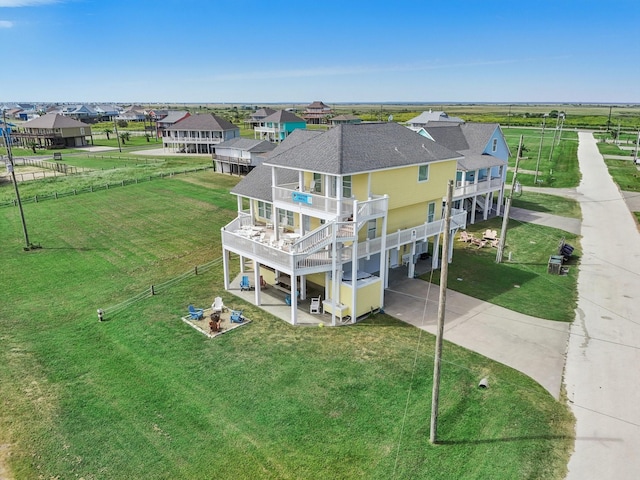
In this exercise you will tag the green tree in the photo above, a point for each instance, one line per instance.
(124, 137)
(107, 132)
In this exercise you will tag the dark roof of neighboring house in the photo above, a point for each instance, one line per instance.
(318, 104)
(173, 116)
(204, 122)
(356, 148)
(53, 120)
(282, 116)
(469, 139)
(262, 112)
(247, 145)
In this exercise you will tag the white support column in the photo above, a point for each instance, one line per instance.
(474, 204)
(239, 200)
(327, 292)
(485, 213)
(241, 264)
(225, 267)
(294, 300)
(411, 269)
(256, 282)
(303, 287)
(436, 254)
(450, 247)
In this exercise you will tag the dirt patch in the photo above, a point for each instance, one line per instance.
(202, 326)
(4, 454)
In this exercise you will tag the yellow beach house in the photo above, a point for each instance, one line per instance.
(333, 211)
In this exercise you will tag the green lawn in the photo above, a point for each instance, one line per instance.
(541, 202)
(143, 395)
(521, 284)
(558, 161)
(625, 174)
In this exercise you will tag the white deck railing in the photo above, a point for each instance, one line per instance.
(313, 250)
(483, 186)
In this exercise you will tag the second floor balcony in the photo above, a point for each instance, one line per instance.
(467, 189)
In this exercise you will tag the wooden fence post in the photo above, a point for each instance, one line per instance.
(153, 292)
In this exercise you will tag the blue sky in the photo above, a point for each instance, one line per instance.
(250, 51)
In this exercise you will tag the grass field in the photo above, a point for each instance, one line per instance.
(142, 395)
(521, 284)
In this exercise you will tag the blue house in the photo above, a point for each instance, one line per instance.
(482, 172)
(277, 126)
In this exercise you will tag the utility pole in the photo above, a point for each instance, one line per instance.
(505, 219)
(10, 167)
(544, 121)
(444, 270)
(609, 119)
(635, 152)
(115, 126)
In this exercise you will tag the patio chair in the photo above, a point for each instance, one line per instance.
(244, 283)
(196, 313)
(217, 306)
(465, 236)
(236, 316)
(315, 305)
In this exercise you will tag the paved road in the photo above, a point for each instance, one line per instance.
(603, 359)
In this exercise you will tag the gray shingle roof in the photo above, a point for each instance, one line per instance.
(247, 145)
(282, 116)
(173, 116)
(204, 122)
(432, 116)
(257, 183)
(469, 139)
(350, 149)
(53, 120)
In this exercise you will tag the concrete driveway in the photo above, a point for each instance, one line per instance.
(531, 345)
(603, 360)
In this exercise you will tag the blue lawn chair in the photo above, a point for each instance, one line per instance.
(196, 313)
(236, 316)
(244, 283)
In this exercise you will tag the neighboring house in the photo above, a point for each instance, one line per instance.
(169, 120)
(157, 115)
(134, 113)
(332, 211)
(80, 112)
(277, 126)
(425, 117)
(5, 132)
(240, 155)
(54, 131)
(482, 171)
(317, 113)
(345, 119)
(198, 134)
(106, 112)
(258, 116)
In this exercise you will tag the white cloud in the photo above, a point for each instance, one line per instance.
(25, 3)
(6, 24)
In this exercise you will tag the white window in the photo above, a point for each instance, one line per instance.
(264, 210)
(346, 186)
(494, 145)
(431, 212)
(285, 218)
(317, 183)
(423, 173)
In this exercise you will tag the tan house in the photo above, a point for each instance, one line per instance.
(54, 131)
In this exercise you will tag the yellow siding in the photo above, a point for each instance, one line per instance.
(360, 186)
